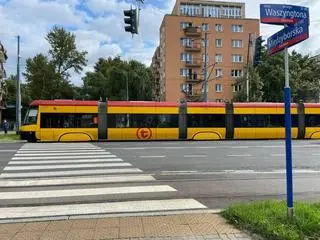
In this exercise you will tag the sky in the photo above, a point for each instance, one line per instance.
(99, 28)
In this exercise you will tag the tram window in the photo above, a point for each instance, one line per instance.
(259, 120)
(312, 120)
(206, 120)
(143, 120)
(117, 120)
(168, 120)
(65, 120)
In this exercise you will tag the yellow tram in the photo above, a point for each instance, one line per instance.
(73, 120)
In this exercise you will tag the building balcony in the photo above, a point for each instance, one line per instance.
(193, 47)
(194, 96)
(194, 63)
(192, 31)
(194, 78)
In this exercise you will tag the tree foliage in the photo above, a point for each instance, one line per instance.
(255, 86)
(10, 96)
(64, 53)
(47, 77)
(110, 78)
(267, 80)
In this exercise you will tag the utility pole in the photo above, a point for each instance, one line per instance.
(205, 66)
(127, 87)
(247, 73)
(18, 92)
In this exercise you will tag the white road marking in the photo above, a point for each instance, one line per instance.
(186, 171)
(60, 148)
(316, 154)
(240, 155)
(255, 172)
(99, 208)
(66, 166)
(240, 171)
(69, 173)
(76, 180)
(207, 147)
(152, 156)
(85, 192)
(195, 156)
(60, 154)
(15, 162)
(63, 157)
(131, 148)
(240, 147)
(60, 151)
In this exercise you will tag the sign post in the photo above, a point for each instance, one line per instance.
(296, 29)
(287, 100)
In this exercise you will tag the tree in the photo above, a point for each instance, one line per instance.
(64, 53)
(48, 76)
(10, 97)
(110, 78)
(255, 86)
(305, 78)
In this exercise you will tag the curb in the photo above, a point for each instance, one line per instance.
(95, 216)
(13, 141)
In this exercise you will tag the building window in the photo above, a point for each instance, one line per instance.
(237, 88)
(237, 28)
(218, 88)
(218, 43)
(236, 73)
(231, 12)
(190, 10)
(218, 73)
(218, 58)
(183, 72)
(186, 88)
(203, 43)
(237, 43)
(210, 11)
(205, 27)
(185, 42)
(185, 57)
(203, 57)
(219, 100)
(184, 25)
(237, 58)
(218, 28)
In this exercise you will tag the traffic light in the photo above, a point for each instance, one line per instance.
(257, 51)
(131, 18)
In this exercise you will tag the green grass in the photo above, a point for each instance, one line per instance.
(9, 137)
(269, 220)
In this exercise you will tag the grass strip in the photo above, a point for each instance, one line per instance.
(9, 137)
(269, 220)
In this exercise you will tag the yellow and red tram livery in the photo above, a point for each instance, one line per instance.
(73, 120)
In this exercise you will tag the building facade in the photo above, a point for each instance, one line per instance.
(155, 68)
(182, 49)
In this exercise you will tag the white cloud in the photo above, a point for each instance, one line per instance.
(102, 6)
(100, 31)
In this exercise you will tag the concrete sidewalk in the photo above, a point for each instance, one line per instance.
(176, 227)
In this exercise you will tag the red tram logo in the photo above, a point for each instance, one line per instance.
(144, 133)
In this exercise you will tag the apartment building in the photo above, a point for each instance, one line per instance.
(182, 49)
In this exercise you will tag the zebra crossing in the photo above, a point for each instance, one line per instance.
(62, 180)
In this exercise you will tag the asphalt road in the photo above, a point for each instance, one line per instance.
(214, 174)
